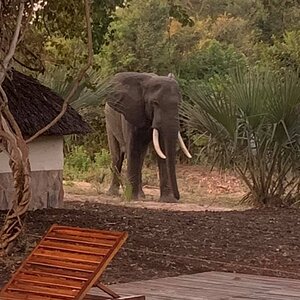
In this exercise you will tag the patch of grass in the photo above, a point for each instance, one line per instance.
(79, 166)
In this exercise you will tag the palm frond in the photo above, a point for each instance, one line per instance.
(253, 123)
(91, 91)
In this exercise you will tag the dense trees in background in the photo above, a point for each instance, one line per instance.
(158, 36)
(223, 33)
(197, 40)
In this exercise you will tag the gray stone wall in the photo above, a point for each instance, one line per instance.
(47, 189)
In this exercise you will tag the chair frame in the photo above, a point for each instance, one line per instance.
(65, 265)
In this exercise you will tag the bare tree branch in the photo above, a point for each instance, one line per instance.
(7, 59)
(28, 19)
(5, 65)
(77, 80)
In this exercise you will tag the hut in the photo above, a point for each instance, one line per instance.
(34, 105)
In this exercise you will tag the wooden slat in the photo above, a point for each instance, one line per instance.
(60, 264)
(112, 252)
(82, 240)
(42, 291)
(20, 296)
(64, 265)
(79, 230)
(54, 272)
(68, 256)
(50, 281)
(84, 233)
(76, 247)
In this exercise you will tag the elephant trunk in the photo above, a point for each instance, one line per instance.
(171, 162)
(170, 141)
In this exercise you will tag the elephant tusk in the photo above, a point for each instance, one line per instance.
(155, 137)
(183, 146)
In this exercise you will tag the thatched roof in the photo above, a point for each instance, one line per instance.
(34, 105)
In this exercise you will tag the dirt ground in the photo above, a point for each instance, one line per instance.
(200, 188)
(207, 230)
(168, 243)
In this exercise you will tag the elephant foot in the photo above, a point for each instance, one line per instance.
(141, 194)
(138, 197)
(113, 191)
(168, 199)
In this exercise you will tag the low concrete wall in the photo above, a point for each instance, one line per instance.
(47, 189)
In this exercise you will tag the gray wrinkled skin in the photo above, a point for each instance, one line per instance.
(140, 102)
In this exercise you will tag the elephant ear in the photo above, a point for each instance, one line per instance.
(126, 97)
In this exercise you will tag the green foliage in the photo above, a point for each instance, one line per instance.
(215, 8)
(66, 18)
(79, 165)
(90, 92)
(102, 159)
(234, 31)
(88, 100)
(286, 53)
(140, 42)
(210, 59)
(179, 13)
(274, 17)
(142, 38)
(65, 53)
(283, 54)
(252, 125)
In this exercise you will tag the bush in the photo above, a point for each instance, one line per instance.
(81, 166)
(210, 59)
(283, 54)
(77, 163)
(102, 159)
(252, 124)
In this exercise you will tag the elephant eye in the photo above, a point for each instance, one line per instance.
(155, 101)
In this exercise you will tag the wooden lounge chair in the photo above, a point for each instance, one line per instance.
(65, 265)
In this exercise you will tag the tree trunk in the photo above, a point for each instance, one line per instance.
(17, 149)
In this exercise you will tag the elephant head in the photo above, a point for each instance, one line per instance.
(150, 101)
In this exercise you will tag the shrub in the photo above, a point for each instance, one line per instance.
(252, 125)
(80, 166)
(102, 159)
(209, 59)
(76, 164)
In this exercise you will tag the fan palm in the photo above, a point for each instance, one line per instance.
(89, 93)
(252, 123)
(88, 100)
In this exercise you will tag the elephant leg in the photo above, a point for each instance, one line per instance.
(136, 150)
(141, 193)
(166, 194)
(135, 161)
(117, 160)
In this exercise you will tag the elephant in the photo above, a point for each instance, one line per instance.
(143, 107)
